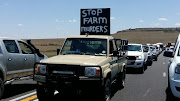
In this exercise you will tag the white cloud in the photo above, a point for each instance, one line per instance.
(112, 18)
(20, 25)
(177, 24)
(57, 20)
(141, 21)
(162, 19)
(72, 21)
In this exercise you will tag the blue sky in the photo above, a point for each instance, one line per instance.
(61, 18)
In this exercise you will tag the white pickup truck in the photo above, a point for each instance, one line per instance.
(137, 57)
(17, 59)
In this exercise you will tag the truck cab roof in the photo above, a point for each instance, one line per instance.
(92, 36)
(134, 44)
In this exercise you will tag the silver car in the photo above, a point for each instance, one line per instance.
(17, 60)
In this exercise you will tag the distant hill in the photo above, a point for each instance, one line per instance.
(138, 35)
(149, 35)
(177, 29)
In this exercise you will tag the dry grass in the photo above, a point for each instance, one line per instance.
(148, 37)
(49, 46)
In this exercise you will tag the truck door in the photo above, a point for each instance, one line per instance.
(28, 56)
(122, 47)
(114, 60)
(14, 58)
(2, 59)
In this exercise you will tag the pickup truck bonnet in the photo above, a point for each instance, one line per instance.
(76, 60)
(134, 53)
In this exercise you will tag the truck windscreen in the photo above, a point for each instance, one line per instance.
(85, 46)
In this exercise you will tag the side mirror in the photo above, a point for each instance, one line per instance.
(58, 50)
(39, 53)
(168, 54)
(115, 53)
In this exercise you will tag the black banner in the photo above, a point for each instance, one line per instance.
(95, 21)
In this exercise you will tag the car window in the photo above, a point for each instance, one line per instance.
(178, 54)
(176, 46)
(134, 48)
(146, 47)
(11, 46)
(0, 50)
(25, 48)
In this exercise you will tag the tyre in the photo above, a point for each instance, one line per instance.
(156, 59)
(1, 88)
(141, 69)
(145, 65)
(44, 93)
(106, 90)
(149, 63)
(168, 83)
(121, 79)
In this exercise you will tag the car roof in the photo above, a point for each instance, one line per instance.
(7, 38)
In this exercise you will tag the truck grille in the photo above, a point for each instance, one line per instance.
(131, 58)
(66, 70)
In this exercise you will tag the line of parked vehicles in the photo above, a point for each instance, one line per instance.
(85, 59)
(142, 55)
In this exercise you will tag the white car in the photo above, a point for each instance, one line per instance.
(137, 58)
(154, 52)
(157, 49)
(149, 55)
(174, 70)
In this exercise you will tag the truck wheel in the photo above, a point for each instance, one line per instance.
(150, 63)
(156, 59)
(142, 69)
(44, 93)
(121, 80)
(1, 88)
(106, 90)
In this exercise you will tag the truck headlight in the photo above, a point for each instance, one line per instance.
(92, 71)
(177, 70)
(41, 69)
(138, 57)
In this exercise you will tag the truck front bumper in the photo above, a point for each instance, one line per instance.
(63, 83)
(135, 63)
(175, 87)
